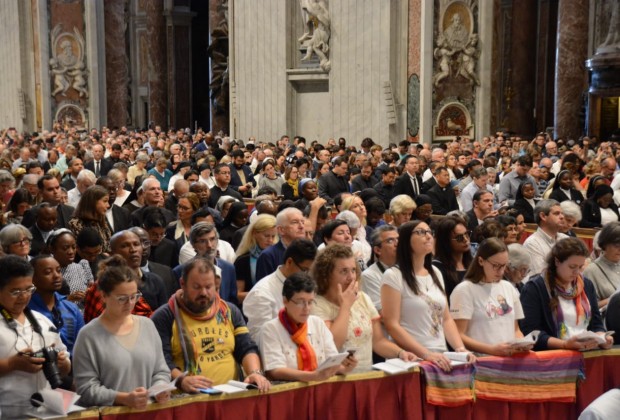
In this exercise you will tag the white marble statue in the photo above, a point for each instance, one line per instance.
(612, 40)
(456, 34)
(467, 67)
(316, 37)
(67, 68)
(444, 55)
(456, 53)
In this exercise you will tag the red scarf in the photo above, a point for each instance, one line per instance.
(306, 358)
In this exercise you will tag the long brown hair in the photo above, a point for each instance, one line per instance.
(488, 248)
(561, 251)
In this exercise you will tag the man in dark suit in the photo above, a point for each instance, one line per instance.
(222, 185)
(335, 181)
(49, 189)
(241, 176)
(165, 272)
(118, 218)
(409, 182)
(69, 182)
(442, 195)
(115, 155)
(153, 196)
(99, 166)
(482, 209)
(44, 225)
(365, 179)
(385, 187)
(431, 182)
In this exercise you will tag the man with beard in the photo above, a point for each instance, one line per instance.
(204, 336)
(365, 179)
(46, 300)
(241, 176)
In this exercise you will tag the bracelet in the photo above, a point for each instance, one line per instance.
(257, 371)
(399, 353)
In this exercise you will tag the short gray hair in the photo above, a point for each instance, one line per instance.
(87, 175)
(518, 256)
(571, 209)
(283, 216)
(544, 206)
(12, 233)
(375, 236)
(351, 218)
(6, 176)
(201, 229)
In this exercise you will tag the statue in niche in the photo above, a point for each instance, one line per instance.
(612, 40)
(67, 65)
(468, 60)
(317, 31)
(456, 51)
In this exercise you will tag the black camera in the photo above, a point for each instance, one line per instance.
(50, 368)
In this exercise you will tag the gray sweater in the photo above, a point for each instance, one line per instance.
(103, 367)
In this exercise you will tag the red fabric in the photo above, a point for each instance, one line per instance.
(93, 305)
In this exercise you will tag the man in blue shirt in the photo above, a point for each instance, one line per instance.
(46, 300)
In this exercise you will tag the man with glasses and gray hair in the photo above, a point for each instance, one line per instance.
(384, 241)
(203, 237)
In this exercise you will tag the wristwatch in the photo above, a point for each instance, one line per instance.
(257, 371)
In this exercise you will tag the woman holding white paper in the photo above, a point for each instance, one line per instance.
(295, 344)
(486, 308)
(561, 303)
(415, 307)
(349, 313)
(118, 356)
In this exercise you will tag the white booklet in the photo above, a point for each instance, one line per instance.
(588, 335)
(525, 343)
(234, 386)
(55, 403)
(334, 360)
(393, 366)
(457, 358)
(163, 387)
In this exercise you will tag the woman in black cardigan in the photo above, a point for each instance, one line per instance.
(560, 303)
(563, 188)
(600, 209)
(525, 202)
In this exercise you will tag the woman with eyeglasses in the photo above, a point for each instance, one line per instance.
(415, 307)
(118, 356)
(452, 251)
(178, 231)
(15, 239)
(485, 308)
(348, 312)
(295, 343)
(21, 368)
(561, 303)
(290, 189)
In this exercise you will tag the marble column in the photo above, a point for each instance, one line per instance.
(523, 43)
(157, 63)
(117, 62)
(570, 76)
(413, 71)
(219, 52)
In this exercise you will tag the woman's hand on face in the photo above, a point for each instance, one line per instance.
(347, 296)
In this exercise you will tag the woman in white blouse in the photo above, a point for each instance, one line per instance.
(486, 308)
(415, 307)
(295, 343)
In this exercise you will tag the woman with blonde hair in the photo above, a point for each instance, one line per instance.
(401, 209)
(260, 234)
(355, 204)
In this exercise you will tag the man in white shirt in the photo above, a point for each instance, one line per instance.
(384, 241)
(85, 180)
(264, 301)
(550, 219)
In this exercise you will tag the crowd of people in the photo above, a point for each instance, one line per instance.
(133, 258)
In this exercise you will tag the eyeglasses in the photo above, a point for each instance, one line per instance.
(423, 232)
(303, 303)
(146, 244)
(180, 207)
(390, 241)
(462, 237)
(124, 299)
(18, 293)
(24, 241)
(496, 266)
(302, 269)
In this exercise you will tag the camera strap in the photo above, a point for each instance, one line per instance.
(12, 323)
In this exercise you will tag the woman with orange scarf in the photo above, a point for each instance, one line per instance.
(295, 343)
(561, 303)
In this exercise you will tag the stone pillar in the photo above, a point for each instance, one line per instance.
(157, 62)
(520, 117)
(570, 76)
(413, 71)
(219, 53)
(117, 62)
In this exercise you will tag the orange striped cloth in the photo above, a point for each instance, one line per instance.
(449, 389)
(530, 377)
